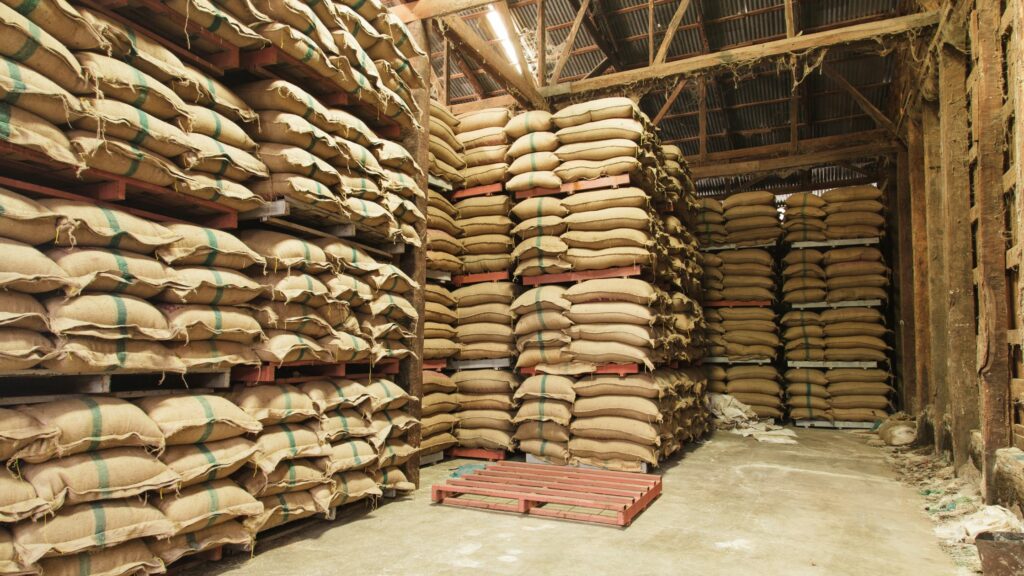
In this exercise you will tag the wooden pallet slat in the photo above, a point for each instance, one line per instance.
(475, 453)
(464, 279)
(597, 183)
(617, 369)
(485, 190)
(737, 304)
(621, 272)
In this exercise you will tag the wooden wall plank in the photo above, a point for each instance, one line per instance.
(937, 312)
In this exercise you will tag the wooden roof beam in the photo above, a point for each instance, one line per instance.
(460, 33)
(670, 32)
(862, 101)
(670, 101)
(750, 54)
(517, 40)
(793, 161)
(570, 40)
(424, 9)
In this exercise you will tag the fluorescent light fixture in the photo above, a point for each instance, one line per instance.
(498, 26)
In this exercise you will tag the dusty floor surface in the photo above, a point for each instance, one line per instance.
(830, 505)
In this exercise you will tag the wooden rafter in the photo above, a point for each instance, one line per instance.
(517, 41)
(650, 32)
(570, 40)
(424, 9)
(601, 67)
(793, 161)
(596, 24)
(877, 115)
(876, 137)
(467, 73)
(749, 54)
(456, 29)
(702, 119)
(670, 100)
(542, 45)
(446, 67)
(670, 32)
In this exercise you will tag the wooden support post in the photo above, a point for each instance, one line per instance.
(413, 261)
(650, 32)
(447, 71)
(919, 241)
(959, 338)
(993, 347)
(542, 39)
(937, 312)
(702, 118)
(906, 328)
(570, 40)
(794, 107)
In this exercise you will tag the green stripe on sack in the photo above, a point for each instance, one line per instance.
(287, 400)
(285, 513)
(219, 294)
(204, 402)
(292, 447)
(214, 498)
(217, 21)
(133, 51)
(309, 52)
(142, 86)
(14, 72)
(211, 238)
(136, 161)
(143, 132)
(26, 7)
(210, 458)
(99, 518)
(302, 353)
(126, 275)
(84, 564)
(102, 474)
(355, 452)
(5, 121)
(115, 239)
(344, 422)
(191, 542)
(31, 44)
(217, 127)
(344, 482)
(225, 163)
(292, 473)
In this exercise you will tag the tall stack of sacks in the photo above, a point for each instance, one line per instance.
(392, 326)
(399, 172)
(615, 321)
(618, 421)
(711, 223)
(859, 395)
(693, 420)
(282, 472)
(544, 416)
(440, 337)
(486, 408)
(604, 137)
(744, 333)
(807, 394)
(446, 152)
(109, 323)
(216, 311)
(610, 229)
(804, 218)
(803, 277)
(444, 247)
(485, 321)
(540, 249)
(541, 325)
(748, 274)
(440, 401)
(482, 135)
(757, 387)
(713, 281)
(855, 334)
(391, 423)
(532, 156)
(83, 485)
(345, 426)
(206, 445)
(486, 240)
(854, 212)
(751, 219)
(804, 335)
(855, 273)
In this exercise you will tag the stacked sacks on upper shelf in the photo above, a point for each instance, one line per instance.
(540, 249)
(446, 152)
(751, 219)
(391, 424)
(482, 134)
(440, 400)
(807, 394)
(855, 273)
(804, 335)
(283, 473)
(742, 333)
(540, 328)
(86, 467)
(486, 406)
(344, 412)
(400, 191)
(532, 155)
(544, 415)
(206, 445)
(440, 337)
(485, 225)
(804, 218)
(803, 276)
(612, 228)
(855, 334)
(747, 275)
(757, 387)
(711, 223)
(858, 394)
(485, 321)
(444, 247)
(854, 212)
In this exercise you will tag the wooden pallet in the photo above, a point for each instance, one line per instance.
(844, 304)
(482, 364)
(43, 384)
(737, 304)
(304, 371)
(622, 272)
(597, 183)
(617, 369)
(440, 364)
(465, 279)
(475, 454)
(439, 275)
(485, 190)
(537, 192)
(727, 360)
(595, 496)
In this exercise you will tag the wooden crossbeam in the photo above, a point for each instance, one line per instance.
(600, 68)
(791, 162)
(412, 11)
(749, 54)
(456, 29)
(877, 115)
(447, 68)
(670, 32)
(517, 42)
(702, 118)
(670, 100)
(876, 137)
(570, 40)
(467, 73)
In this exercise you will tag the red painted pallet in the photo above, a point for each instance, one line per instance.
(606, 182)
(535, 192)
(596, 496)
(623, 272)
(737, 304)
(618, 369)
(485, 190)
(464, 279)
(476, 453)
(435, 364)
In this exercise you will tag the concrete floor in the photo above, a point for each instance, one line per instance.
(827, 506)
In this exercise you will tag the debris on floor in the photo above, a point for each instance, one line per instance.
(987, 519)
(736, 417)
(900, 429)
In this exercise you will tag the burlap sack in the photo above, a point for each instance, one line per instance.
(484, 438)
(229, 533)
(88, 423)
(872, 206)
(289, 476)
(279, 442)
(329, 395)
(283, 508)
(221, 23)
(282, 158)
(539, 299)
(641, 385)
(127, 84)
(347, 456)
(583, 259)
(599, 150)
(84, 526)
(575, 170)
(79, 355)
(484, 332)
(25, 220)
(107, 316)
(616, 428)
(595, 110)
(19, 501)
(533, 143)
(542, 320)
(282, 346)
(24, 128)
(99, 270)
(283, 251)
(133, 557)
(535, 162)
(205, 462)
(25, 269)
(126, 159)
(27, 43)
(852, 193)
(345, 423)
(634, 407)
(490, 419)
(37, 94)
(108, 474)
(91, 225)
(748, 199)
(212, 286)
(611, 312)
(542, 431)
(608, 219)
(207, 247)
(615, 454)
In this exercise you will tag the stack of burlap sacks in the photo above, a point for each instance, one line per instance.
(111, 487)
(853, 212)
(240, 147)
(743, 275)
(485, 321)
(482, 135)
(444, 249)
(440, 401)
(751, 218)
(446, 152)
(711, 223)
(839, 394)
(804, 218)
(486, 406)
